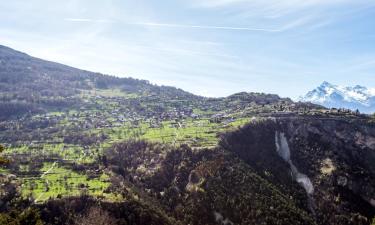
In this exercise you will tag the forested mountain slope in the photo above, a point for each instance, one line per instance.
(88, 148)
(32, 84)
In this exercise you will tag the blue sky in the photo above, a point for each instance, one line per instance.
(208, 47)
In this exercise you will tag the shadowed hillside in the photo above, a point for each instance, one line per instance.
(86, 148)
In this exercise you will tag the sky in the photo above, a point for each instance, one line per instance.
(207, 47)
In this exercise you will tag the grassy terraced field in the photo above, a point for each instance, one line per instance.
(53, 180)
(202, 132)
(56, 180)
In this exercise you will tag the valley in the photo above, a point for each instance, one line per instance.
(77, 140)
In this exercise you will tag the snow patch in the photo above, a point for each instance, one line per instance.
(337, 96)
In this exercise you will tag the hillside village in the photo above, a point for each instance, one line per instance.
(95, 138)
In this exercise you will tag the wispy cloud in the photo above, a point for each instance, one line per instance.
(287, 11)
(283, 6)
(210, 47)
(205, 27)
(86, 20)
(360, 64)
(170, 25)
(179, 51)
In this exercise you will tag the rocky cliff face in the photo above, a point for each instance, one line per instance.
(340, 158)
(295, 170)
(336, 155)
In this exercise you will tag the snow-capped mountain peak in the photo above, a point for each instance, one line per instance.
(330, 95)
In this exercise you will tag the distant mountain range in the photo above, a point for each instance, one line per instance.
(335, 96)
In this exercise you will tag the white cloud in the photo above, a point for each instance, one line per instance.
(277, 6)
(215, 47)
(285, 14)
(205, 27)
(88, 20)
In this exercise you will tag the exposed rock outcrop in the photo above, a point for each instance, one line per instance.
(337, 155)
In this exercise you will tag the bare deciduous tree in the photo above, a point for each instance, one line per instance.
(96, 216)
(2, 159)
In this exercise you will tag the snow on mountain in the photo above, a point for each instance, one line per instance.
(335, 96)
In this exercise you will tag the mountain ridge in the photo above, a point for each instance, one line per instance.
(9, 55)
(11, 51)
(41, 83)
(335, 96)
(84, 144)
